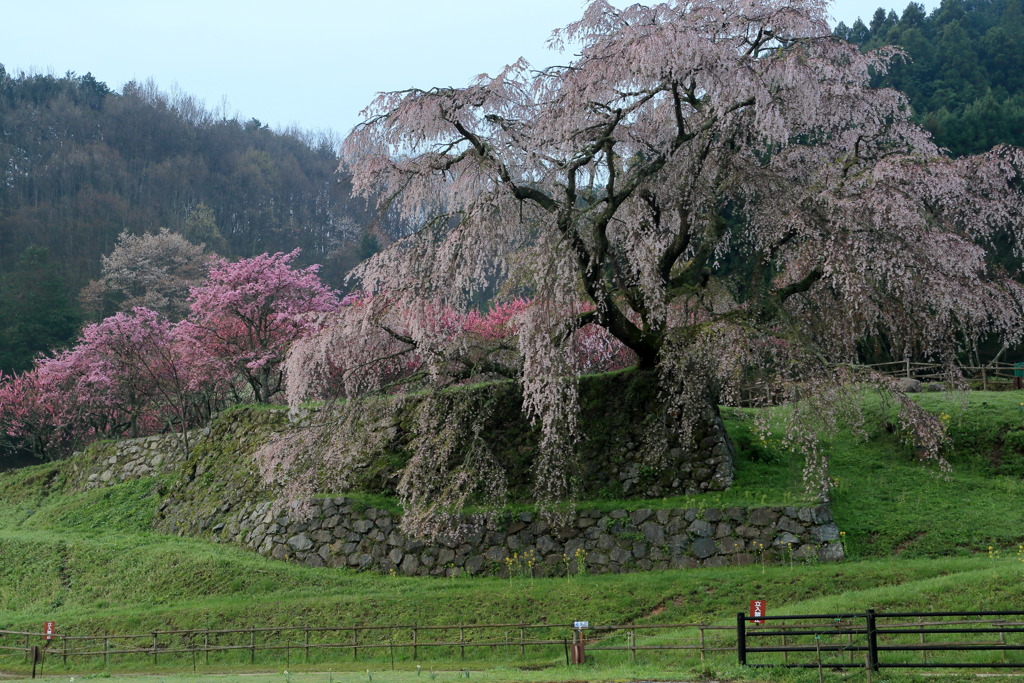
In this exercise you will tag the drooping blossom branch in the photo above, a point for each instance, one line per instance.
(716, 180)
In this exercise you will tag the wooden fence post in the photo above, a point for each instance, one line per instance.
(206, 646)
(522, 642)
(154, 648)
(817, 647)
(701, 627)
(252, 645)
(305, 657)
(462, 642)
(415, 639)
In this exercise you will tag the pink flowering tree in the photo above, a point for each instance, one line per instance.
(247, 314)
(66, 400)
(88, 391)
(137, 373)
(36, 414)
(720, 183)
(154, 371)
(131, 374)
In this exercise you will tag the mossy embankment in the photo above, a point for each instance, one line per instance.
(623, 454)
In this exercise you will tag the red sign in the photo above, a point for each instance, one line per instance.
(758, 608)
(49, 628)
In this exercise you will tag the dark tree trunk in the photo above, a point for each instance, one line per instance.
(634, 446)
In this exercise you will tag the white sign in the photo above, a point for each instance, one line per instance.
(581, 624)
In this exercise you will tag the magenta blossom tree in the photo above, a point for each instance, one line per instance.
(247, 313)
(158, 374)
(722, 186)
(112, 383)
(36, 414)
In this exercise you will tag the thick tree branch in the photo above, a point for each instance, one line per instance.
(799, 287)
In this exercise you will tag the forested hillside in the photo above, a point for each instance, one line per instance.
(80, 163)
(965, 69)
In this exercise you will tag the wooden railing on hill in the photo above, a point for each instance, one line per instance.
(356, 643)
(935, 372)
(994, 375)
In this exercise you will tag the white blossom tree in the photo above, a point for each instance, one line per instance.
(152, 270)
(716, 184)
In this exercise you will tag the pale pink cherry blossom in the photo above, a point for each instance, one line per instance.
(718, 184)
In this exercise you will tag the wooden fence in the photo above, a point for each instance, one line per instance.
(992, 373)
(408, 642)
(995, 375)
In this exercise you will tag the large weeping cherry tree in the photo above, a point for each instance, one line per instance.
(715, 184)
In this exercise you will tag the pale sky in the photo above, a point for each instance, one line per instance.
(310, 63)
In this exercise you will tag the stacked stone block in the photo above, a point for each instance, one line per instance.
(340, 532)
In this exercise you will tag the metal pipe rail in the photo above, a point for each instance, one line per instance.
(879, 636)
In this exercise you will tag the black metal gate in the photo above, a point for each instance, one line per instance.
(877, 640)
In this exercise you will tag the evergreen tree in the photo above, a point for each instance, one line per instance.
(36, 312)
(964, 73)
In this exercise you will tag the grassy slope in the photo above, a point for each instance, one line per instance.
(890, 504)
(88, 560)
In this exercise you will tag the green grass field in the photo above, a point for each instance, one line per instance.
(916, 540)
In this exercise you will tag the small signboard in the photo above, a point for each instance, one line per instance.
(49, 628)
(580, 624)
(758, 608)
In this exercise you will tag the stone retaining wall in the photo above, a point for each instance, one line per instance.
(218, 496)
(113, 462)
(343, 533)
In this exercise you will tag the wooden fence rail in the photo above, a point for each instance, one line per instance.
(410, 639)
(939, 373)
(995, 375)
